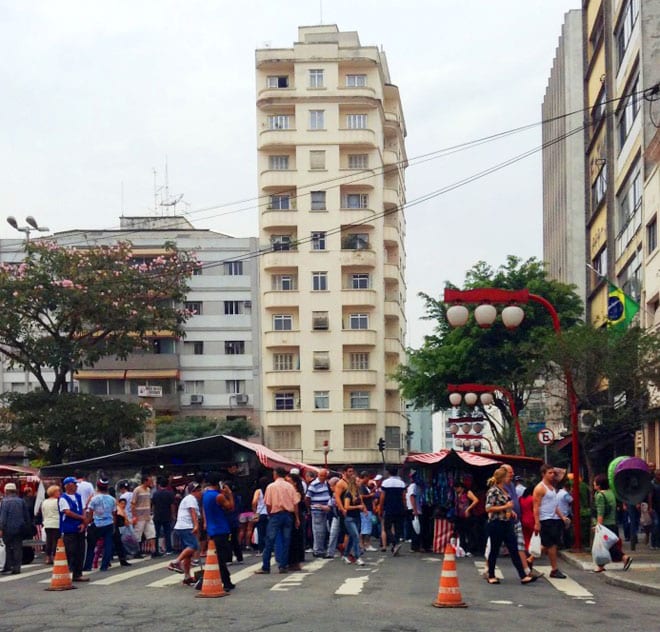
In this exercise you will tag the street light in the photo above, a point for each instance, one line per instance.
(32, 225)
(512, 299)
(485, 395)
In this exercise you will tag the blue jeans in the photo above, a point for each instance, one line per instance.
(106, 534)
(164, 528)
(335, 531)
(351, 525)
(278, 538)
(319, 531)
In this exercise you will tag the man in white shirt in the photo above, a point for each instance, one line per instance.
(413, 508)
(84, 488)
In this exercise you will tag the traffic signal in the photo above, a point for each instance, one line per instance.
(381, 444)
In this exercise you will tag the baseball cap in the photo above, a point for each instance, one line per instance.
(102, 483)
(294, 470)
(192, 486)
(69, 479)
(10, 487)
(378, 477)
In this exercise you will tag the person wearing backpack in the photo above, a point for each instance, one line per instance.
(605, 502)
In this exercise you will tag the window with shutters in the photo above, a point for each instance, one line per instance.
(321, 439)
(359, 361)
(321, 360)
(393, 437)
(279, 121)
(320, 321)
(356, 81)
(358, 161)
(285, 438)
(356, 121)
(316, 159)
(278, 163)
(283, 362)
(359, 436)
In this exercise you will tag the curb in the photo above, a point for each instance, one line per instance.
(631, 584)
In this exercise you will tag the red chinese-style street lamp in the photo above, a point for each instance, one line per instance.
(485, 392)
(512, 315)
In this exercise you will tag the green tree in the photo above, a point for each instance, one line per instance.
(511, 359)
(172, 430)
(60, 427)
(65, 308)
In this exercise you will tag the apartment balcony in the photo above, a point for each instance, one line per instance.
(359, 378)
(391, 384)
(363, 337)
(391, 235)
(392, 309)
(361, 257)
(357, 215)
(392, 272)
(391, 196)
(275, 299)
(393, 346)
(364, 92)
(365, 137)
(283, 379)
(282, 417)
(278, 219)
(390, 157)
(357, 416)
(280, 259)
(358, 298)
(289, 338)
(273, 138)
(165, 403)
(214, 362)
(273, 178)
(139, 361)
(266, 96)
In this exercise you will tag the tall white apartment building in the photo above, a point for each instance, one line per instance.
(331, 161)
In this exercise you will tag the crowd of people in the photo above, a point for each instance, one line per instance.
(288, 515)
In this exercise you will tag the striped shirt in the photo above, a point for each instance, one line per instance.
(319, 494)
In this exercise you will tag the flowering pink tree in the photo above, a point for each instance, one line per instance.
(65, 308)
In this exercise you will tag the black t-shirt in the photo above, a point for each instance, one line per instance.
(368, 502)
(351, 513)
(162, 501)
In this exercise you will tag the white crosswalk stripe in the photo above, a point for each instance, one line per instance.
(482, 567)
(175, 578)
(568, 586)
(94, 574)
(295, 579)
(23, 574)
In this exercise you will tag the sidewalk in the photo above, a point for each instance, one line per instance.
(643, 576)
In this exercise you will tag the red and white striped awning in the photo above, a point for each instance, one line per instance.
(267, 457)
(470, 458)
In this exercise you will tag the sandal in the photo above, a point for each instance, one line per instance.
(493, 580)
(598, 570)
(629, 561)
(528, 579)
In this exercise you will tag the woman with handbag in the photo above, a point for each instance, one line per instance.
(605, 502)
(501, 518)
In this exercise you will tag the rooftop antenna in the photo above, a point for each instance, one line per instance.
(169, 202)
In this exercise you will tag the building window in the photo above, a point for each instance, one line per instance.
(234, 386)
(285, 438)
(283, 362)
(321, 439)
(194, 307)
(193, 387)
(652, 235)
(359, 437)
(358, 161)
(630, 278)
(359, 400)
(316, 119)
(628, 111)
(599, 109)
(277, 81)
(233, 268)
(285, 401)
(280, 202)
(281, 242)
(279, 121)
(320, 321)
(360, 281)
(318, 200)
(283, 282)
(623, 31)
(319, 281)
(316, 78)
(233, 307)
(599, 188)
(198, 347)
(393, 437)
(318, 240)
(356, 81)
(321, 400)
(356, 121)
(317, 159)
(278, 163)
(356, 241)
(321, 360)
(599, 265)
(629, 210)
(282, 322)
(234, 347)
(358, 321)
(359, 361)
(355, 200)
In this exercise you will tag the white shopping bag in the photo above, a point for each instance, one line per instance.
(415, 525)
(535, 545)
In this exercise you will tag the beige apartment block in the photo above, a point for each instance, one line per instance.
(331, 161)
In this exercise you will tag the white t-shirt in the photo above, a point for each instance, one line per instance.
(183, 517)
(86, 491)
(411, 490)
(128, 496)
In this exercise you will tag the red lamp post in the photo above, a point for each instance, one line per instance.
(512, 316)
(487, 388)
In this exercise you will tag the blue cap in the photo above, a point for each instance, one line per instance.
(69, 479)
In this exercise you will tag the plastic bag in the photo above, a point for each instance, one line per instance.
(535, 545)
(415, 525)
(3, 554)
(129, 540)
(487, 551)
(460, 551)
(600, 552)
(608, 537)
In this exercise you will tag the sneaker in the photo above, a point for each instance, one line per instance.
(347, 560)
(262, 571)
(359, 561)
(371, 549)
(189, 581)
(329, 557)
(195, 562)
(557, 574)
(173, 566)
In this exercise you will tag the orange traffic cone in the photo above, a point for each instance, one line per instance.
(449, 592)
(211, 583)
(61, 579)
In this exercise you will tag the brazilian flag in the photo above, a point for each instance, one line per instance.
(620, 308)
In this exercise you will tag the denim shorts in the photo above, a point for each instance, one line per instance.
(187, 538)
(366, 523)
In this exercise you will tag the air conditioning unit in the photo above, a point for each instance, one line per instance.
(242, 398)
(197, 399)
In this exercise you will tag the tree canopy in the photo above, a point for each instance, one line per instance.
(66, 307)
(512, 359)
(171, 430)
(60, 427)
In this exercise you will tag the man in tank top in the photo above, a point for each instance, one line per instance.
(548, 518)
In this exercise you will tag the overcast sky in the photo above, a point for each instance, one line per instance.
(96, 94)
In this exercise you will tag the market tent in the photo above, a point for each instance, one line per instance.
(192, 453)
(451, 458)
(17, 470)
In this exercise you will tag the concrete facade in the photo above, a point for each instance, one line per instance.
(331, 160)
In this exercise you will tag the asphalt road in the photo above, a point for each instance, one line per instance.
(388, 594)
